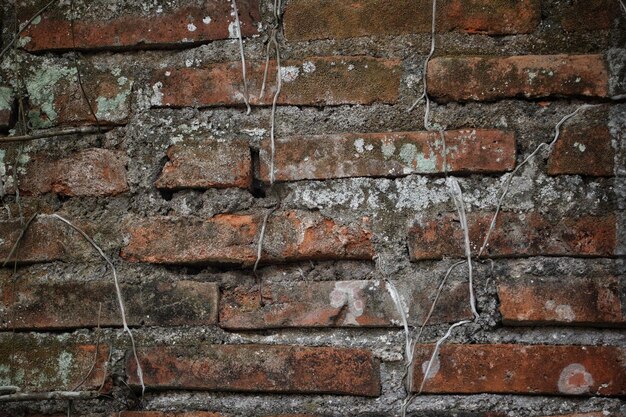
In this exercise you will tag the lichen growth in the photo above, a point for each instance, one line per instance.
(41, 85)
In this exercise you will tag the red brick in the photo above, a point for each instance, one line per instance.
(333, 304)
(592, 414)
(89, 172)
(259, 368)
(523, 369)
(583, 150)
(584, 15)
(388, 154)
(532, 76)
(6, 106)
(207, 164)
(188, 24)
(51, 365)
(336, 19)
(232, 239)
(580, 301)
(56, 98)
(529, 234)
(36, 302)
(312, 81)
(167, 414)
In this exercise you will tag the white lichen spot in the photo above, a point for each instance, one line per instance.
(122, 80)
(434, 368)
(289, 74)
(206, 20)
(65, 365)
(359, 145)
(350, 67)
(348, 293)
(191, 27)
(580, 146)
(369, 147)
(233, 30)
(36, 20)
(188, 62)
(531, 76)
(308, 67)
(388, 149)
(575, 380)
(562, 311)
(157, 96)
(168, 73)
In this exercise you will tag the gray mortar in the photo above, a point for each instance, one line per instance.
(393, 204)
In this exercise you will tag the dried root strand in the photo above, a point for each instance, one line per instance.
(246, 95)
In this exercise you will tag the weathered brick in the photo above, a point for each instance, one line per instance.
(583, 150)
(336, 19)
(207, 164)
(531, 76)
(388, 154)
(56, 98)
(168, 414)
(312, 81)
(528, 234)
(6, 106)
(47, 239)
(259, 368)
(523, 369)
(182, 23)
(582, 15)
(333, 304)
(89, 172)
(567, 300)
(232, 239)
(50, 365)
(36, 302)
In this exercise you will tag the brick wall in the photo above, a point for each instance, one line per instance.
(252, 297)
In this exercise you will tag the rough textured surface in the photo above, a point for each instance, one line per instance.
(389, 154)
(182, 22)
(491, 78)
(589, 301)
(336, 19)
(562, 370)
(190, 154)
(261, 368)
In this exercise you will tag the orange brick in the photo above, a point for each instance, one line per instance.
(89, 172)
(334, 304)
(259, 368)
(183, 26)
(388, 154)
(207, 164)
(567, 300)
(528, 234)
(232, 239)
(523, 369)
(531, 76)
(313, 81)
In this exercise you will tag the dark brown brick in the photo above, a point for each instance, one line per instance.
(583, 150)
(36, 302)
(259, 368)
(232, 239)
(523, 369)
(207, 164)
(89, 172)
(532, 76)
(334, 304)
(584, 15)
(336, 19)
(388, 154)
(566, 300)
(514, 235)
(50, 365)
(184, 24)
(313, 81)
